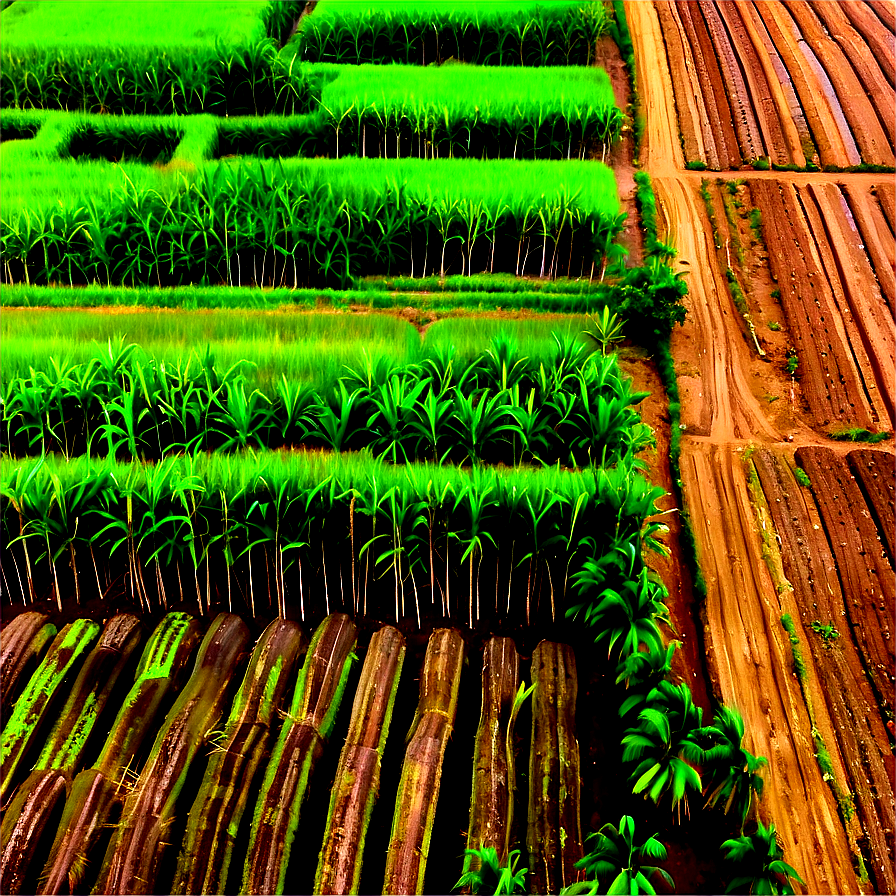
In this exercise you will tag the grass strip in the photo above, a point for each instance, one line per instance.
(96, 791)
(132, 857)
(301, 742)
(554, 828)
(356, 785)
(421, 772)
(227, 787)
(37, 700)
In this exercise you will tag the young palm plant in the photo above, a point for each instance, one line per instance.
(757, 864)
(491, 877)
(615, 857)
(730, 773)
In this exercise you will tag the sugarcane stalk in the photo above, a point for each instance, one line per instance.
(225, 791)
(418, 790)
(22, 643)
(555, 830)
(35, 702)
(491, 800)
(25, 825)
(357, 779)
(300, 744)
(96, 791)
(132, 858)
(64, 748)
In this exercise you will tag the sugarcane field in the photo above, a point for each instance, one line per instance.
(447, 447)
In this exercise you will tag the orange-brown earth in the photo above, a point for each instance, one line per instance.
(817, 284)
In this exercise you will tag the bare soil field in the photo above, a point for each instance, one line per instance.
(792, 82)
(809, 277)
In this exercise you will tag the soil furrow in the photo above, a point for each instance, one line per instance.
(850, 95)
(875, 239)
(825, 132)
(865, 574)
(886, 195)
(885, 12)
(751, 654)
(855, 51)
(739, 97)
(874, 472)
(866, 318)
(875, 34)
(863, 762)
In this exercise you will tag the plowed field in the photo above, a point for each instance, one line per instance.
(791, 82)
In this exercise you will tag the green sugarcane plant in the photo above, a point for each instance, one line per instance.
(95, 792)
(490, 876)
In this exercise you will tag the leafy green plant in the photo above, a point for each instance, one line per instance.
(731, 775)
(828, 632)
(774, 326)
(617, 858)
(757, 864)
(606, 329)
(802, 477)
(491, 877)
(793, 362)
(858, 434)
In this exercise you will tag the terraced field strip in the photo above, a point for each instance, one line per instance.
(790, 82)
(846, 708)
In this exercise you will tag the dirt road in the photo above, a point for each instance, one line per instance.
(749, 651)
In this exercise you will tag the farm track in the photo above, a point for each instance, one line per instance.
(830, 246)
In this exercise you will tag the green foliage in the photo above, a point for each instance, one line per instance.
(757, 866)
(792, 363)
(617, 861)
(642, 673)
(828, 632)
(799, 664)
(756, 224)
(664, 745)
(731, 775)
(606, 329)
(761, 164)
(528, 33)
(491, 877)
(774, 326)
(695, 165)
(858, 434)
(802, 477)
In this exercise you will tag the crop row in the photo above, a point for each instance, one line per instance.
(246, 74)
(322, 223)
(318, 533)
(500, 408)
(527, 33)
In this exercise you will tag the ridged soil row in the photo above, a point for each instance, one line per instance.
(852, 95)
(878, 37)
(865, 573)
(876, 237)
(854, 733)
(751, 664)
(874, 471)
(830, 363)
(22, 646)
(868, 320)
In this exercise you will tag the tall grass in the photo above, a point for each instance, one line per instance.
(320, 223)
(484, 33)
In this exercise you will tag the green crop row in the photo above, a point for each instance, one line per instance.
(500, 32)
(151, 57)
(315, 222)
(256, 529)
(501, 407)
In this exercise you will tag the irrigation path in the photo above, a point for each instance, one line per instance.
(748, 650)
